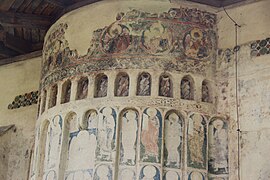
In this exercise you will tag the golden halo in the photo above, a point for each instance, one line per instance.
(115, 30)
(196, 34)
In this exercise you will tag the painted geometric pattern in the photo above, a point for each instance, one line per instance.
(260, 47)
(26, 99)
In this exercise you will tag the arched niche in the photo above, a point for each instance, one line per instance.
(206, 92)
(90, 121)
(53, 145)
(82, 88)
(69, 132)
(66, 92)
(128, 137)
(122, 84)
(53, 96)
(197, 141)
(43, 133)
(44, 98)
(144, 83)
(101, 85)
(165, 86)
(82, 148)
(187, 88)
(107, 135)
(218, 146)
(151, 135)
(173, 139)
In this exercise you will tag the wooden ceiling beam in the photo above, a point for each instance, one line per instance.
(20, 58)
(6, 52)
(215, 3)
(71, 5)
(13, 19)
(17, 44)
(229, 2)
(6, 4)
(59, 3)
(80, 4)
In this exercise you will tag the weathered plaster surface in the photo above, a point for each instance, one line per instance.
(218, 69)
(17, 78)
(174, 129)
(253, 81)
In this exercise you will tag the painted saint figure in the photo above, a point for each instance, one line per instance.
(129, 136)
(205, 92)
(165, 87)
(82, 88)
(92, 120)
(122, 85)
(106, 131)
(72, 150)
(66, 92)
(53, 96)
(102, 86)
(150, 134)
(116, 39)
(196, 141)
(54, 138)
(186, 89)
(144, 85)
(173, 139)
(218, 147)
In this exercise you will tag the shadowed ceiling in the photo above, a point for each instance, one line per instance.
(24, 23)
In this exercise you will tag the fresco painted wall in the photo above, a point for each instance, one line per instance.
(139, 102)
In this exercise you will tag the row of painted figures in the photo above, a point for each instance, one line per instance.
(92, 144)
(122, 88)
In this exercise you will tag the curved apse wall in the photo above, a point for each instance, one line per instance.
(134, 100)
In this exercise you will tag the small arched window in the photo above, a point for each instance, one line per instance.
(187, 88)
(82, 88)
(144, 84)
(66, 91)
(206, 92)
(101, 85)
(122, 85)
(53, 96)
(165, 86)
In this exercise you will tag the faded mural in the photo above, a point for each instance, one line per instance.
(218, 146)
(173, 132)
(197, 141)
(106, 147)
(181, 33)
(136, 131)
(52, 150)
(151, 135)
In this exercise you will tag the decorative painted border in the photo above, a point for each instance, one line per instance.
(26, 99)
